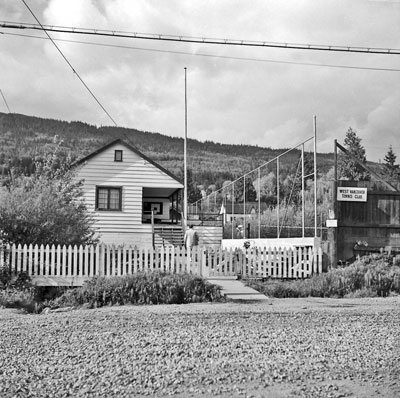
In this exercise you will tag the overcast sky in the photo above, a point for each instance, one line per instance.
(230, 100)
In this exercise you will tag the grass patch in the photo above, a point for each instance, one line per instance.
(370, 276)
(16, 291)
(140, 288)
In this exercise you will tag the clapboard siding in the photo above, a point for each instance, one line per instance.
(132, 174)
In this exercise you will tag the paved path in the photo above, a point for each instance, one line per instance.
(234, 289)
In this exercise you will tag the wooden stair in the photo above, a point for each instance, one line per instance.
(168, 236)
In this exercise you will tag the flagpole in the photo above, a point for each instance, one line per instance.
(315, 177)
(185, 198)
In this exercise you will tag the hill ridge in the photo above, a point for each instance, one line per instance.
(24, 136)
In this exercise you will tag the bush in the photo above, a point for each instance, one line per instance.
(16, 291)
(370, 276)
(140, 288)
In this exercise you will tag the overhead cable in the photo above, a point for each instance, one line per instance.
(197, 54)
(66, 60)
(8, 108)
(201, 40)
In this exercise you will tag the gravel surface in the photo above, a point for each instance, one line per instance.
(280, 348)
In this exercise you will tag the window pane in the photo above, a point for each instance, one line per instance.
(114, 199)
(118, 155)
(102, 198)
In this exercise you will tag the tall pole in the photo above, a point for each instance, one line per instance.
(278, 232)
(185, 193)
(315, 176)
(244, 207)
(259, 203)
(303, 216)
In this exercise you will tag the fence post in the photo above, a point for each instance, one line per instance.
(205, 270)
(100, 253)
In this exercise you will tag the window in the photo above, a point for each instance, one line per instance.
(109, 198)
(118, 155)
(157, 207)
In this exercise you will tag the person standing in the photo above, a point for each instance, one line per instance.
(191, 237)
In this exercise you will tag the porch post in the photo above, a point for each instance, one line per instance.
(152, 228)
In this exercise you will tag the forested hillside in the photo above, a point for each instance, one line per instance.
(24, 137)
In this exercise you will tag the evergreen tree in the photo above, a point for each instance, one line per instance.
(349, 169)
(390, 163)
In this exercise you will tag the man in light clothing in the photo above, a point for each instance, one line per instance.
(191, 237)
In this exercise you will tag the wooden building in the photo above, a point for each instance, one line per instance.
(370, 224)
(121, 188)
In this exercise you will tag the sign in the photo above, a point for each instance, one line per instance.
(351, 194)
(331, 223)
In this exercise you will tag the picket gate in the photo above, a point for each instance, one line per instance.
(106, 260)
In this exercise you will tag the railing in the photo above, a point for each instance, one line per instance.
(206, 219)
(89, 261)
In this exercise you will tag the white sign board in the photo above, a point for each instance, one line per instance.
(331, 223)
(352, 194)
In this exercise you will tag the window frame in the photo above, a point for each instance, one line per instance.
(148, 206)
(108, 188)
(119, 152)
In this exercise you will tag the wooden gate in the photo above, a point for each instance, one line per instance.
(260, 262)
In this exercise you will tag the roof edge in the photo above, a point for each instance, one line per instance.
(133, 149)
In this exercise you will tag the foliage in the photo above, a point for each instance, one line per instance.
(390, 163)
(211, 162)
(141, 288)
(375, 275)
(45, 207)
(349, 169)
(193, 191)
(16, 290)
(248, 190)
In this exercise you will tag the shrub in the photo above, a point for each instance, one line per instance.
(140, 288)
(16, 291)
(375, 275)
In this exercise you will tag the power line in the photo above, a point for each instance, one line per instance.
(19, 131)
(211, 55)
(5, 101)
(66, 60)
(9, 111)
(201, 40)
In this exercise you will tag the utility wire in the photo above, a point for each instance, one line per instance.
(5, 101)
(19, 131)
(201, 40)
(9, 111)
(211, 55)
(66, 60)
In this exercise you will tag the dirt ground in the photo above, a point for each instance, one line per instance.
(281, 348)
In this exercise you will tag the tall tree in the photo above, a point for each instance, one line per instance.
(349, 169)
(249, 191)
(45, 207)
(390, 163)
(193, 191)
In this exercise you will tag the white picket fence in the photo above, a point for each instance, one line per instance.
(106, 260)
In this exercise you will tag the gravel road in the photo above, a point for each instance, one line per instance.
(279, 348)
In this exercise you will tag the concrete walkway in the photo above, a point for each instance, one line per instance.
(234, 289)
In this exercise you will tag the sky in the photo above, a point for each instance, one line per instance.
(235, 95)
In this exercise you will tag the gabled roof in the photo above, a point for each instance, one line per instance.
(133, 149)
